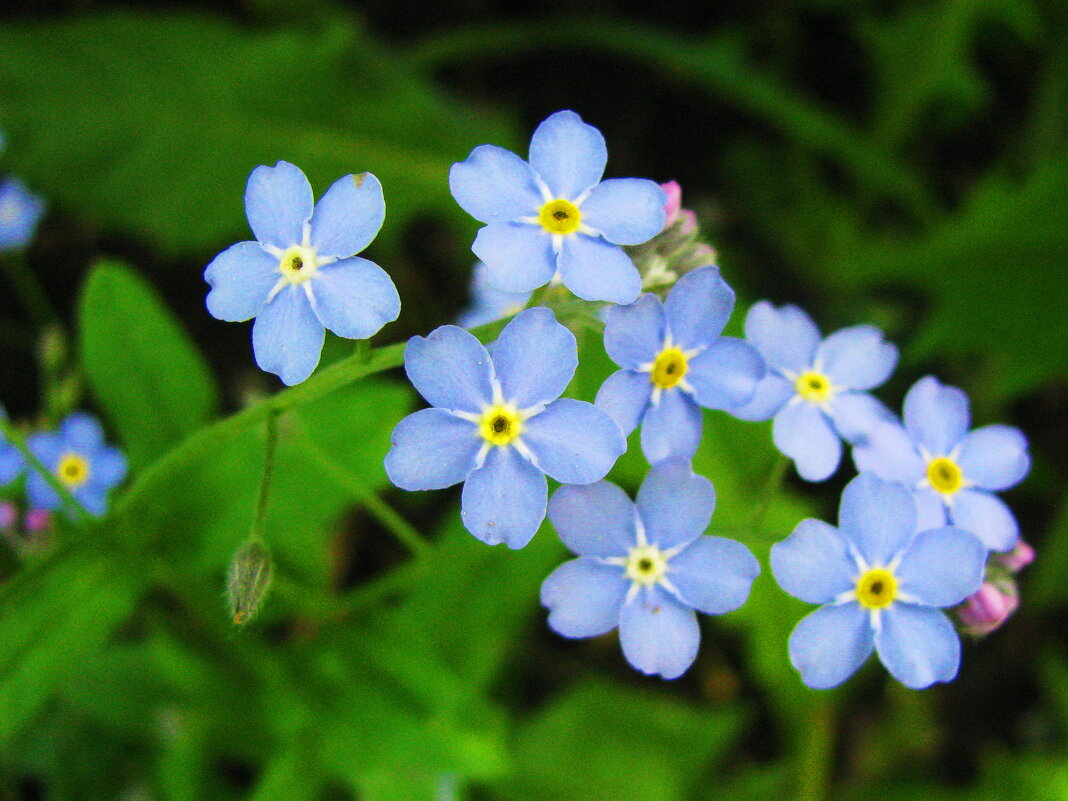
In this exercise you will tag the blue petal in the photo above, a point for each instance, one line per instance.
(495, 185)
(20, 211)
(432, 449)
(772, 393)
(287, 337)
(626, 211)
(584, 598)
(450, 369)
(348, 217)
(81, 432)
(786, 337)
(12, 463)
(504, 500)
(918, 645)
(714, 574)
(40, 493)
(634, 334)
(829, 645)
(487, 302)
(726, 373)
(574, 442)
(518, 256)
(931, 509)
(107, 468)
(594, 519)
(878, 516)
(658, 634)
(987, 517)
(942, 567)
(801, 431)
(568, 154)
(814, 563)
(698, 307)
(857, 357)
(995, 457)
(595, 269)
(855, 414)
(675, 504)
(671, 427)
(47, 447)
(888, 451)
(625, 396)
(354, 298)
(936, 416)
(535, 358)
(93, 499)
(241, 278)
(278, 201)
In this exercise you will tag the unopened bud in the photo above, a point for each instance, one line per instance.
(674, 202)
(1018, 558)
(988, 608)
(249, 580)
(52, 349)
(9, 515)
(687, 222)
(37, 521)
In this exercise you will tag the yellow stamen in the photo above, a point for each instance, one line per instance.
(945, 475)
(73, 469)
(298, 264)
(877, 588)
(500, 424)
(669, 368)
(646, 564)
(560, 217)
(813, 387)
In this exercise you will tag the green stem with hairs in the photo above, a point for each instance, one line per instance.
(815, 757)
(259, 522)
(771, 489)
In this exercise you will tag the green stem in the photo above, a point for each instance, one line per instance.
(29, 290)
(363, 349)
(259, 522)
(771, 489)
(816, 754)
(14, 436)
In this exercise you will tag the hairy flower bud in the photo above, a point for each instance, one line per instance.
(249, 580)
(1018, 558)
(989, 607)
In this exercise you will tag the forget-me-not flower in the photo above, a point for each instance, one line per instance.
(302, 274)
(555, 214)
(12, 461)
(20, 211)
(497, 424)
(489, 303)
(674, 361)
(80, 459)
(882, 584)
(815, 389)
(645, 567)
(953, 473)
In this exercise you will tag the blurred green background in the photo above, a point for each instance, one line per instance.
(903, 163)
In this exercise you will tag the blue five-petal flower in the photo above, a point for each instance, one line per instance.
(674, 360)
(952, 471)
(80, 459)
(302, 274)
(881, 584)
(555, 214)
(498, 426)
(645, 567)
(815, 389)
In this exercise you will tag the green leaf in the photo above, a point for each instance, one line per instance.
(143, 370)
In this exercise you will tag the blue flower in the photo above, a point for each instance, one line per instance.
(301, 274)
(882, 585)
(12, 461)
(496, 424)
(20, 211)
(815, 389)
(489, 303)
(556, 214)
(952, 472)
(673, 359)
(645, 567)
(80, 459)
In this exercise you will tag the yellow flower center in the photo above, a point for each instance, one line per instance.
(298, 264)
(876, 588)
(669, 368)
(560, 217)
(944, 475)
(813, 387)
(646, 564)
(73, 469)
(500, 424)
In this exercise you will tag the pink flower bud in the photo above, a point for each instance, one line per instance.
(674, 202)
(9, 515)
(689, 222)
(988, 608)
(37, 521)
(1019, 557)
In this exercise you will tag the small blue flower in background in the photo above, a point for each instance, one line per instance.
(645, 567)
(674, 360)
(302, 274)
(556, 214)
(489, 303)
(882, 585)
(815, 389)
(20, 211)
(497, 425)
(952, 472)
(80, 459)
(12, 461)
